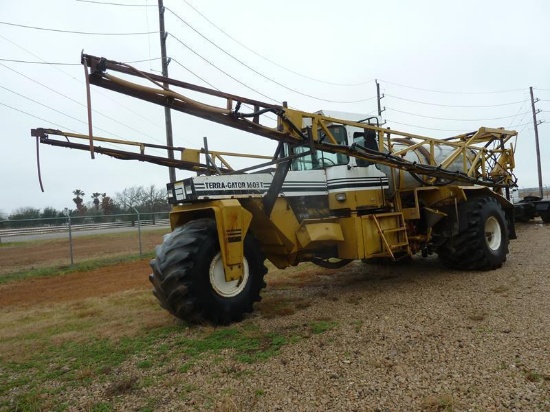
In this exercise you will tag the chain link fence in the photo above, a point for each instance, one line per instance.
(121, 229)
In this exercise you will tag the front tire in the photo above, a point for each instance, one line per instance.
(189, 281)
(483, 244)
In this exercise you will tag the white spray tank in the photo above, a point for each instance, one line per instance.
(421, 154)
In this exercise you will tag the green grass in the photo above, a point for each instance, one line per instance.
(322, 326)
(249, 345)
(39, 381)
(65, 270)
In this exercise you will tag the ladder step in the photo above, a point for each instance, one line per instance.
(399, 245)
(396, 230)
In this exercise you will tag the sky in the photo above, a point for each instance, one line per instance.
(444, 67)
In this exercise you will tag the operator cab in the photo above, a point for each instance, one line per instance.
(344, 135)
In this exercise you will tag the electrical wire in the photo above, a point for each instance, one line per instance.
(148, 38)
(427, 128)
(450, 92)
(194, 74)
(518, 112)
(56, 124)
(34, 62)
(217, 68)
(441, 130)
(116, 4)
(69, 64)
(271, 61)
(77, 32)
(98, 91)
(57, 111)
(43, 105)
(211, 85)
(453, 119)
(77, 102)
(259, 73)
(451, 105)
(36, 117)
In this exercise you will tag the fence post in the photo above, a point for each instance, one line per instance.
(139, 233)
(70, 239)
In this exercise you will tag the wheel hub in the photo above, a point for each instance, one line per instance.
(493, 233)
(218, 282)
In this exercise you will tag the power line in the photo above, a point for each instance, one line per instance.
(81, 82)
(195, 74)
(116, 4)
(43, 105)
(452, 105)
(36, 117)
(518, 112)
(77, 102)
(450, 92)
(211, 85)
(76, 31)
(424, 127)
(271, 61)
(216, 67)
(34, 62)
(442, 130)
(68, 64)
(454, 119)
(43, 85)
(58, 125)
(55, 110)
(256, 71)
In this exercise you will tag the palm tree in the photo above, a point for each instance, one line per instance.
(78, 200)
(96, 201)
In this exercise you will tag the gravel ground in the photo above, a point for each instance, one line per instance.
(402, 338)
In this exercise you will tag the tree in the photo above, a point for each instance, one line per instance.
(130, 197)
(148, 199)
(107, 204)
(25, 213)
(78, 201)
(156, 200)
(49, 213)
(96, 201)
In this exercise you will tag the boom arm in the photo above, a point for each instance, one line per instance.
(491, 162)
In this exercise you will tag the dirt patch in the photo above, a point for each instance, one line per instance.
(95, 283)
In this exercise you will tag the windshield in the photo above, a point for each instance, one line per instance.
(322, 159)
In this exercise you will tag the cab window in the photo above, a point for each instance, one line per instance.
(322, 159)
(366, 138)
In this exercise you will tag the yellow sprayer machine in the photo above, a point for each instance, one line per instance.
(338, 188)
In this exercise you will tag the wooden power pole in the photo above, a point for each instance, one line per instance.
(379, 98)
(536, 124)
(167, 113)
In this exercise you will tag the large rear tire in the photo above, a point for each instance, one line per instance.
(188, 277)
(483, 245)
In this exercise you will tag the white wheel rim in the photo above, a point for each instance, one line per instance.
(493, 233)
(217, 278)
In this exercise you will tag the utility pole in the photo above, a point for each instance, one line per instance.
(167, 113)
(536, 124)
(379, 98)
